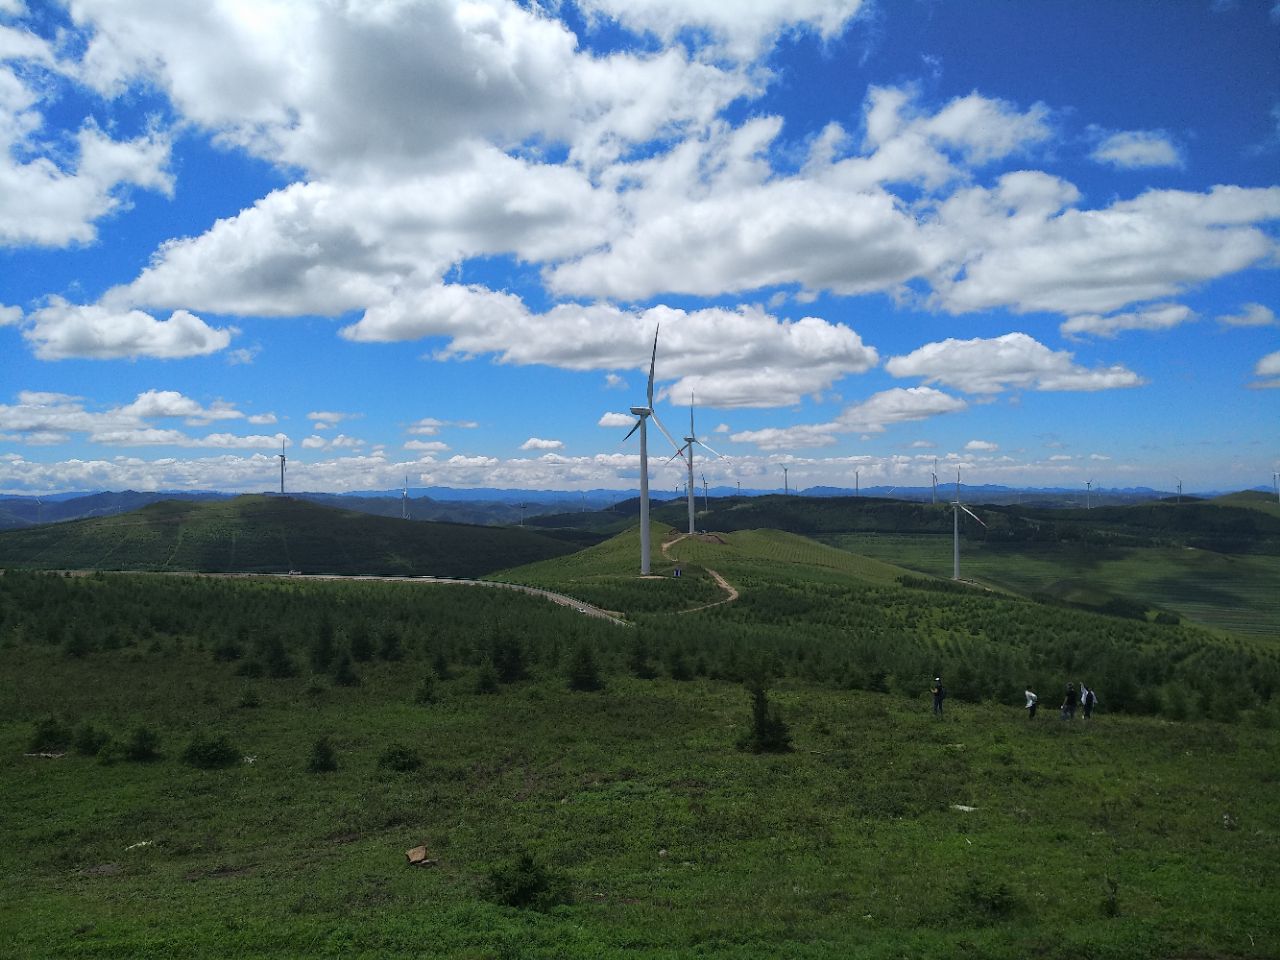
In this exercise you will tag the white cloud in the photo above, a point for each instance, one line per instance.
(314, 443)
(170, 403)
(1161, 316)
(1023, 244)
(1138, 149)
(63, 330)
(721, 428)
(10, 315)
(741, 30)
(262, 419)
(535, 443)
(874, 415)
(1250, 315)
(427, 446)
(981, 446)
(1013, 361)
(614, 382)
(1268, 366)
(616, 420)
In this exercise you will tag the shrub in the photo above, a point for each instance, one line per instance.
(323, 759)
(768, 733)
(583, 672)
(249, 700)
(426, 692)
(88, 739)
(399, 758)
(527, 884)
(210, 753)
(390, 648)
(51, 736)
(487, 678)
(142, 746)
(342, 673)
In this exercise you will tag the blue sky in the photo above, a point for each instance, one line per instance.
(1037, 241)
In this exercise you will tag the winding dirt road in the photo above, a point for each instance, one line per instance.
(731, 594)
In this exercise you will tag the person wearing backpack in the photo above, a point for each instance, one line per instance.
(939, 694)
(1069, 703)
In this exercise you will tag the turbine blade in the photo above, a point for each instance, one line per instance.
(654, 413)
(708, 449)
(971, 513)
(633, 429)
(653, 359)
(679, 453)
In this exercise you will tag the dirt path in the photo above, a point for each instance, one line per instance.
(731, 594)
(564, 600)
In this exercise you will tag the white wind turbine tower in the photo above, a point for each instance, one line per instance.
(686, 452)
(1179, 479)
(404, 499)
(956, 507)
(935, 479)
(282, 459)
(1088, 494)
(642, 414)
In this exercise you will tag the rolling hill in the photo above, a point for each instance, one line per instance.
(260, 534)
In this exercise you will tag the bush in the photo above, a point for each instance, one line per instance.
(487, 678)
(342, 673)
(399, 758)
(768, 733)
(527, 884)
(210, 753)
(583, 672)
(425, 695)
(51, 736)
(88, 739)
(323, 758)
(142, 746)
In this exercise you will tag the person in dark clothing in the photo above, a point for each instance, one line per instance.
(1069, 703)
(939, 694)
(1087, 700)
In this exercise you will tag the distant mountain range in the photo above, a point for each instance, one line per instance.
(493, 506)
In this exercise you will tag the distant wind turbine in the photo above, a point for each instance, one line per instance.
(1088, 494)
(642, 414)
(857, 491)
(686, 453)
(282, 459)
(935, 479)
(1179, 489)
(404, 499)
(956, 507)
(786, 482)
(706, 497)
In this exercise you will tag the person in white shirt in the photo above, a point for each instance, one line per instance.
(1032, 700)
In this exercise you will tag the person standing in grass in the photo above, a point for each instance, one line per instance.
(1069, 703)
(1087, 699)
(939, 694)
(1032, 701)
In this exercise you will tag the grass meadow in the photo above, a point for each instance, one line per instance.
(622, 817)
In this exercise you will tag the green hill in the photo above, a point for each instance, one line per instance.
(264, 534)
(623, 822)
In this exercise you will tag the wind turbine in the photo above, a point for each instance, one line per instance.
(642, 414)
(1088, 494)
(1179, 479)
(1275, 482)
(935, 479)
(956, 507)
(282, 459)
(857, 492)
(686, 452)
(404, 499)
(786, 482)
(706, 497)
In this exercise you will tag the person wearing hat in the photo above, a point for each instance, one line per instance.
(939, 694)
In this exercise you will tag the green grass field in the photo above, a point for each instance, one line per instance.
(669, 841)
(1235, 594)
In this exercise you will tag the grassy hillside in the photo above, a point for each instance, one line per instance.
(883, 834)
(272, 534)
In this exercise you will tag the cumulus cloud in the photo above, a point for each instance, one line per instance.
(874, 415)
(535, 443)
(1268, 371)
(10, 315)
(37, 417)
(1013, 361)
(616, 420)
(1250, 315)
(1161, 316)
(742, 357)
(1023, 244)
(1137, 150)
(64, 330)
(981, 446)
(427, 446)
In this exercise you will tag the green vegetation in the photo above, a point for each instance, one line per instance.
(760, 778)
(273, 534)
